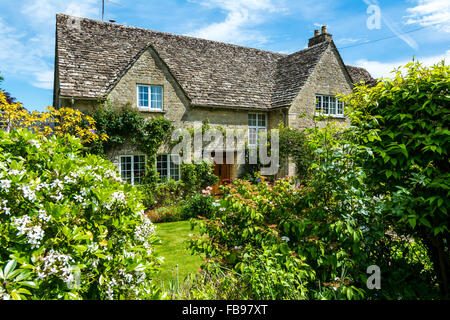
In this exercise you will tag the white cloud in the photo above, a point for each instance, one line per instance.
(241, 16)
(383, 69)
(430, 12)
(28, 49)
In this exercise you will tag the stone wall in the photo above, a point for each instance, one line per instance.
(328, 77)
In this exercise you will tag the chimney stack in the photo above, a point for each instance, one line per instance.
(319, 38)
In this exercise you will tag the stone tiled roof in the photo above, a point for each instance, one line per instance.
(360, 74)
(92, 56)
(293, 71)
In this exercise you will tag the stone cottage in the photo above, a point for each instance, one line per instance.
(188, 80)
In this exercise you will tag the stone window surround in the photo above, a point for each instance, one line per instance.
(319, 114)
(148, 109)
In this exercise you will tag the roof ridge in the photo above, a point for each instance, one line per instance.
(175, 35)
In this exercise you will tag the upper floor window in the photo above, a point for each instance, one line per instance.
(150, 97)
(329, 106)
(257, 122)
(132, 168)
(167, 168)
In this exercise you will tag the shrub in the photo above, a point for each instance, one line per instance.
(165, 214)
(71, 227)
(197, 177)
(58, 122)
(404, 122)
(259, 230)
(202, 205)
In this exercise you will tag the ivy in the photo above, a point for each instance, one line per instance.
(127, 125)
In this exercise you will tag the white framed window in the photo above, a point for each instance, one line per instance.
(257, 122)
(329, 106)
(167, 168)
(132, 168)
(150, 97)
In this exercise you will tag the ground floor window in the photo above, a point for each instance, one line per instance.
(132, 168)
(167, 168)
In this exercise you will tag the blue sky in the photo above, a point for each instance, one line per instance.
(27, 29)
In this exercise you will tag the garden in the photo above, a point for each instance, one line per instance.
(371, 195)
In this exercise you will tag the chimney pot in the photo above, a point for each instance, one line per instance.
(319, 38)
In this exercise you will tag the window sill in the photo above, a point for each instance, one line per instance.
(151, 110)
(337, 116)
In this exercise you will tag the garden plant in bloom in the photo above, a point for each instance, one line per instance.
(69, 227)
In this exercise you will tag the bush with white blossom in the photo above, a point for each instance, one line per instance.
(69, 223)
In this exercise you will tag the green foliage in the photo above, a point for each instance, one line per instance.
(404, 122)
(15, 282)
(197, 177)
(72, 228)
(259, 228)
(198, 205)
(293, 145)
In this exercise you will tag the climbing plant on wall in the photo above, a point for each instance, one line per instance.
(127, 125)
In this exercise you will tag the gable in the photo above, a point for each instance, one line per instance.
(328, 77)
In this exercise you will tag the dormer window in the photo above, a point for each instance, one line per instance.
(329, 106)
(149, 97)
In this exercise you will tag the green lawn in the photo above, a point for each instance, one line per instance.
(174, 236)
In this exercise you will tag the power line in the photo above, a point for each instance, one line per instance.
(386, 38)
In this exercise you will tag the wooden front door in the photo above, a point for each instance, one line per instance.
(223, 171)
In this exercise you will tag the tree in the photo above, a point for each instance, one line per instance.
(7, 94)
(405, 123)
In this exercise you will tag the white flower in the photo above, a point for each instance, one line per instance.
(118, 196)
(16, 172)
(5, 185)
(79, 198)
(5, 208)
(57, 183)
(284, 238)
(68, 180)
(34, 143)
(43, 216)
(27, 192)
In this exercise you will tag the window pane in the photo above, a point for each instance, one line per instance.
(143, 96)
(174, 168)
(326, 101)
(340, 107)
(262, 120)
(318, 103)
(125, 169)
(139, 169)
(332, 105)
(252, 120)
(161, 166)
(156, 92)
(252, 138)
